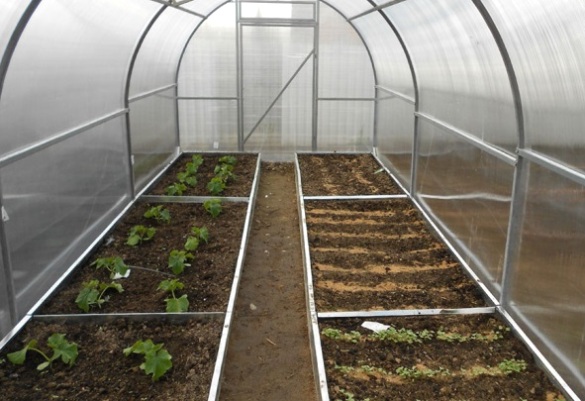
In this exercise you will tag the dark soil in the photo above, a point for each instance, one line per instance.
(342, 174)
(207, 281)
(241, 186)
(268, 355)
(368, 368)
(378, 255)
(103, 373)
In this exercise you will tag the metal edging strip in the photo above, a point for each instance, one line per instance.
(353, 197)
(313, 323)
(215, 387)
(387, 170)
(191, 199)
(406, 312)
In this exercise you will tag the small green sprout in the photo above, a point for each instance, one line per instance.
(216, 186)
(176, 189)
(196, 161)
(213, 207)
(159, 213)
(199, 234)
(93, 294)
(185, 177)
(509, 366)
(231, 160)
(114, 264)
(62, 349)
(157, 360)
(139, 234)
(178, 260)
(174, 304)
(224, 172)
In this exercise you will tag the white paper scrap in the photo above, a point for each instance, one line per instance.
(375, 326)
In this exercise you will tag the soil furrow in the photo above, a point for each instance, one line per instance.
(268, 355)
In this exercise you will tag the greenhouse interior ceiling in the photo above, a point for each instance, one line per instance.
(477, 107)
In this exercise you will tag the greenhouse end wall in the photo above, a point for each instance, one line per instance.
(475, 106)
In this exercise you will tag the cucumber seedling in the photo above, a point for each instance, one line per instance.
(178, 261)
(199, 234)
(176, 189)
(213, 207)
(139, 234)
(157, 360)
(62, 349)
(174, 304)
(93, 293)
(216, 186)
(114, 264)
(159, 213)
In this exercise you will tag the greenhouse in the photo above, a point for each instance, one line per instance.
(292, 199)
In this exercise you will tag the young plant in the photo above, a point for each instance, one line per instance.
(216, 186)
(174, 304)
(159, 213)
(509, 366)
(178, 260)
(139, 234)
(157, 360)
(196, 161)
(231, 160)
(114, 264)
(176, 189)
(62, 349)
(93, 294)
(213, 207)
(199, 234)
(185, 177)
(224, 172)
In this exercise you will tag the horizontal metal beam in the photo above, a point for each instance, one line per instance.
(380, 7)
(176, 6)
(397, 94)
(150, 93)
(406, 312)
(205, 98)
(347, 99)
(297, 23)
(38, 146)
(486, 147)
(279, 1)
(556, 166)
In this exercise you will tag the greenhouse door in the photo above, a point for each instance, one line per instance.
(276, 81)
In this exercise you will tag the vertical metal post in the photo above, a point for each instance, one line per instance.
(4, 65)
(521, 173)
(129, 72)
(240, 75)
(316, 36)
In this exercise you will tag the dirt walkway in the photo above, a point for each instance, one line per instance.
(268, 355)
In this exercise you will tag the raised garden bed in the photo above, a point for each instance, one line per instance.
(380, 255)
(431, 358)
(344, 175)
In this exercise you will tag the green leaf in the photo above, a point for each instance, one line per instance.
(177, 261)
(88, 295)
(62, 349)
(171, 285)
(44, 365)
(157, 364)
(18, 357)
(142, 347)
(133, 240)
(197, 160)
(201, 233)
(177, 304)
(216, 186)
(213, 207)
(231, 160)
(191, 244)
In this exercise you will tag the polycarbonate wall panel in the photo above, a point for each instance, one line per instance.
(156, 64)
(461, 75)
(345, 126)
(345, 68)
(547, 46)
(5, 323)
(469, 191)
(10, 13)
(349, 8)
(208, 67)
(153, 129)
(278, 11)
(204, 7)
(392, 69)
(548, 284)
(58, 200)
(396, 134)
(208, 125)
(69, 67)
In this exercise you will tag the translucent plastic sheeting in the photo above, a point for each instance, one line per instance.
(547, 46)
(208, 125)
(345, 126)
(288, 126)
(154, 137)
(461, 75)
(350, 8)
(5, 322)
(156, 64)
(58, 201)
(278, 10)
(68, 73)
(548, 284)
(392, 69)
(271, 57)
(345, 68)
(469, 191)
(208, 68)
(10, 13)
(395, 134)
(204, 7)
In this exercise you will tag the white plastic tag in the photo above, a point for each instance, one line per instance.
(4, 215)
